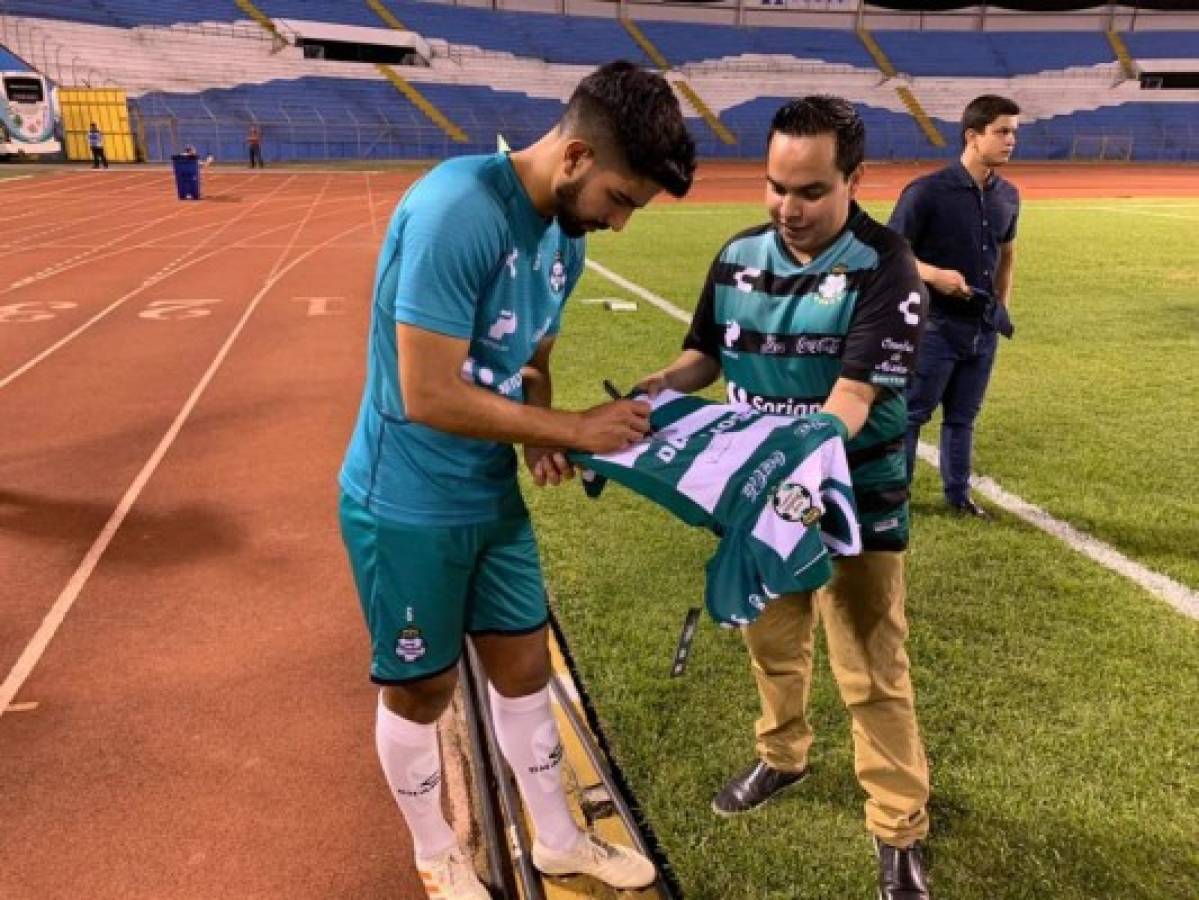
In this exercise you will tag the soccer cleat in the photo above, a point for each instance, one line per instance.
(619, 867)
(901, 872)
(753, 787)
(450, 876)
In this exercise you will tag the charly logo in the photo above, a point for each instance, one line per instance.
(744, 279)
(410, 644)
(911, 316)
(510, 261)
(558, 274)
(732, 331)
(793, 503)
(504, 325)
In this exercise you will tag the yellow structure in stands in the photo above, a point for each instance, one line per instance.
(109, 110)
(1128, 68)
(906, 96)
(423, 103)
(386, 15)
(688, 92)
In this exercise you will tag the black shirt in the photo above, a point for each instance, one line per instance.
(951, 223)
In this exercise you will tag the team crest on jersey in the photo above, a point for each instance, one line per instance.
(793, 503)
(410, 644)
(832, 289)
(558, 274)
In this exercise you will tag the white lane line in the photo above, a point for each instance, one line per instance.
(149, 282)
(1178, 595)
(295, 234)
(370, 205)
(57, 614)
(4, 181)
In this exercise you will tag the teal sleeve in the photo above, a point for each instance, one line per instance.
(449, 251)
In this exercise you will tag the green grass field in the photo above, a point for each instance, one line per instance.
(1054, 696)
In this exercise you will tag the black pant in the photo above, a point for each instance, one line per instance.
(98, 158)
(255, 156)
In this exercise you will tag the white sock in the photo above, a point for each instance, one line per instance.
(528, 736)
(412, 765)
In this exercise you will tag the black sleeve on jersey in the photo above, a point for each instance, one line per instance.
(880, 347)
(705, 334)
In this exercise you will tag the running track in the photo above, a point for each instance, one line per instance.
(203, 723)
(177, 382)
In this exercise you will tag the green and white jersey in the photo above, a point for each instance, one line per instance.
(775, 488)
(784, 332)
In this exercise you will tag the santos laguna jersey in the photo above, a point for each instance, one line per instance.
(468, 256)
(785, 332)
(776, 489)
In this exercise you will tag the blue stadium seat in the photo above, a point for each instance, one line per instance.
(685, 42)
(992, 54)
(1162, 44)
(127, 13)
(10, 62)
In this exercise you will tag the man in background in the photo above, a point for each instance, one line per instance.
(254, 143)
(961, 224)
(95, 140)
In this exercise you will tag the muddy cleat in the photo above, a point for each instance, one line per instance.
(617, 866)
(450, 876)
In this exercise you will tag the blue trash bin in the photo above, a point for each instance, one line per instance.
(187, 176)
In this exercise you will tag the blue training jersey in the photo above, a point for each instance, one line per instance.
(468, 256)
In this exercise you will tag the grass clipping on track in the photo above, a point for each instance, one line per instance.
(1054, 696)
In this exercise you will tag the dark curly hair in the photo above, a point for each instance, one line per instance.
(635, 112)
(824, 114)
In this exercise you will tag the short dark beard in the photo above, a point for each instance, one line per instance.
(566, 204)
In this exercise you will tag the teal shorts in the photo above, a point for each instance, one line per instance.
(422, 588)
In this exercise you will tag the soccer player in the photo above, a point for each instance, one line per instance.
(961, 223)
(478, 261)
(817, 312)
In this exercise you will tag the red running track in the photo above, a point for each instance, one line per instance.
(177, 383)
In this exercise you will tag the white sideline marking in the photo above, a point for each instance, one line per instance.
(1178, 595)
(653, 299)
(1127, 210)
(41, 639)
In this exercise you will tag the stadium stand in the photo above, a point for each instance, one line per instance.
(998, 54)
(197, 71)
(688, 42)
(125, 13)
(1163, 44)
(10, 62)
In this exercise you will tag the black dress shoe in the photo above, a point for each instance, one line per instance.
(753, 787)
(969, 508)
(901, 872)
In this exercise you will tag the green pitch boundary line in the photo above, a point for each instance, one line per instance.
(1178, 595)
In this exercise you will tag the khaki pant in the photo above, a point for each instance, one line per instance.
(863, 615)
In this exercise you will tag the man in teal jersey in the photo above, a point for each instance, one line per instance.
(817, 312)
(479, 258)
